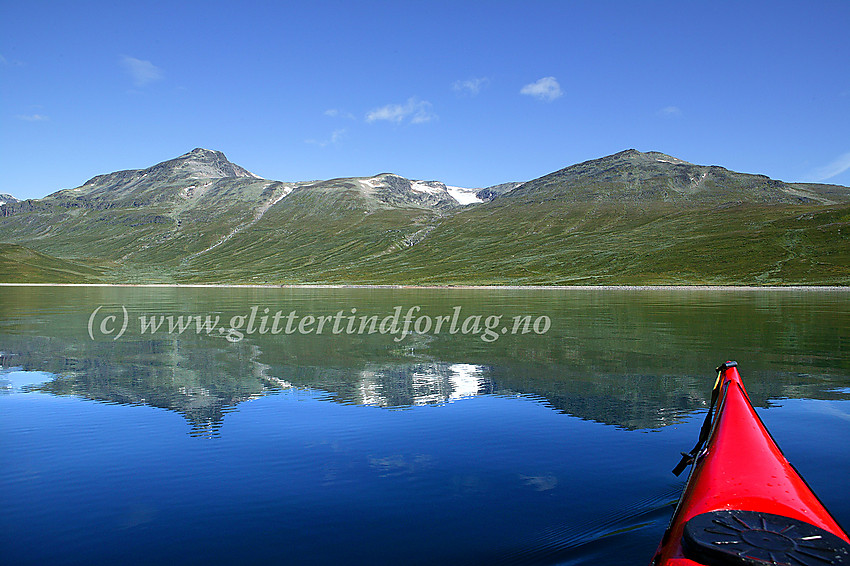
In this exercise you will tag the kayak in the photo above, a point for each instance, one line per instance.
(744, 503)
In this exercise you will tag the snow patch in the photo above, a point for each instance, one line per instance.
(371, 183)
(279, 198)
(463, 195)
(431, 188)
(673, 160)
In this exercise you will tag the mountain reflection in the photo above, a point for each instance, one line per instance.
(635, 360)
(200, 384)
(203, 380)
(203, 383)
(400, 386)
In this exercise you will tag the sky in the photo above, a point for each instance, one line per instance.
(468, 93)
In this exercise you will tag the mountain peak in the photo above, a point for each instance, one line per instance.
(632, 176)
(203, 153)
(635, 156)
(166, 178)
(207, 163)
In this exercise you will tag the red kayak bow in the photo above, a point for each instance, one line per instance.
(744, 503)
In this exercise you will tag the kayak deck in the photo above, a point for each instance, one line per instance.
(753, 502)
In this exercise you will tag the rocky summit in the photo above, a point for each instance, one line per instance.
(627, 218)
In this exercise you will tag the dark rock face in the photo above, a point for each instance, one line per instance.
(490, 193)
(6, 200)
(486, 194)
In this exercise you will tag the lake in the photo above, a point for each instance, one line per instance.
(390, 426)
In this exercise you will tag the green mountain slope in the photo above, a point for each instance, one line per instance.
(22, 265)
(545, 243)
(628, 218)
(632, 176)
(155, 221)
(153, 213)
(317, 230)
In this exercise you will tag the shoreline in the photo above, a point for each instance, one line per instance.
(831, 288)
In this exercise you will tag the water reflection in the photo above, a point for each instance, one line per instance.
(635, 361)
(201, 384)
(303, 463)
(400, 386)
(203, 381)
(13, 381)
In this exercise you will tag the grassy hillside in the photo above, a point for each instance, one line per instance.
(23, 265)
(550, 244)
(610, 244)
(314, 235)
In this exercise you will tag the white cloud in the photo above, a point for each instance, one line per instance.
(546, 89)
(32, 117)
(417, 111)
(336, 136)
(423, 114)
(670, 111)
(470, 86)
(142, 72)
(837, 167)
(390, 113)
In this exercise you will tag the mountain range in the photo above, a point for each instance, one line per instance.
(628, 218)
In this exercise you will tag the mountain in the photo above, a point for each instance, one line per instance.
(160, 218)
(628, 218)
(633, 176)
(190, 177)
(4, 198)
(204, 173)
(197, 164)
(642, 218)
(174, 208)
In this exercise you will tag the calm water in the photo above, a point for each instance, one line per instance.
(552, 446)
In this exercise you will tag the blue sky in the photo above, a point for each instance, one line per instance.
(469, 93)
